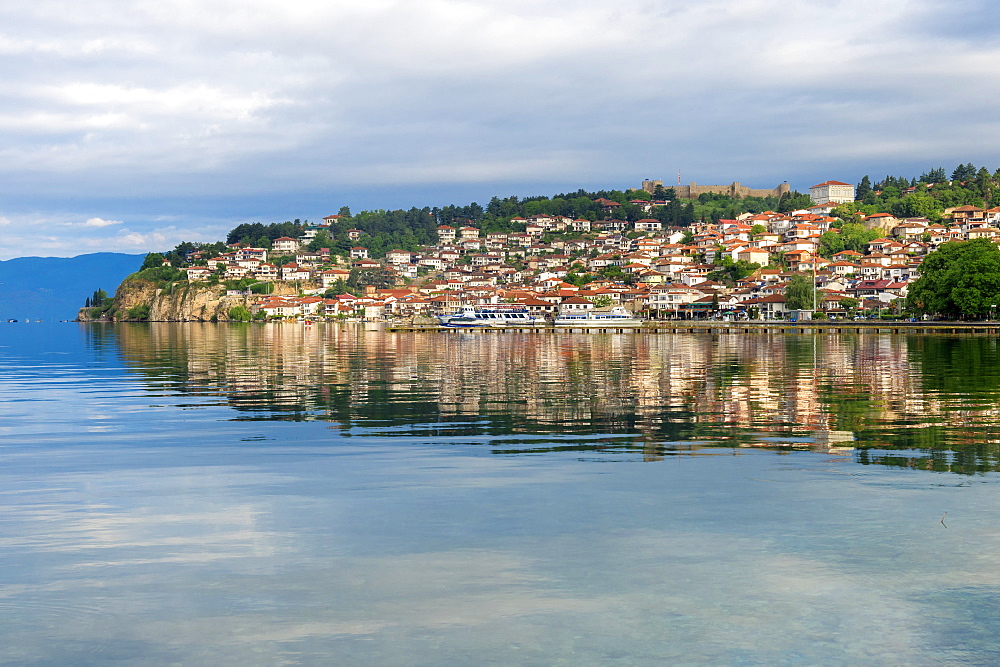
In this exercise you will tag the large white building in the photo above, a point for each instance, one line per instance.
(832, 191)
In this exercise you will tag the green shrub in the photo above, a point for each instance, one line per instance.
(241, 284)
(140, 312)
(162, 276)
(240, 314)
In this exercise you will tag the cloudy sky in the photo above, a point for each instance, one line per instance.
(130, 126)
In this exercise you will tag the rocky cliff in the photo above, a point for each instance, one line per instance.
(142, 300)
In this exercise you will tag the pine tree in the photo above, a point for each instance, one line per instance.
(864, 188)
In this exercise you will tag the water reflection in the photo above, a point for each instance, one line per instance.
(921, 402)
(282, 495)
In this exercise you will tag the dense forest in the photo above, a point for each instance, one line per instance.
(926, 196)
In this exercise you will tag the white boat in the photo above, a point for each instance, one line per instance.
(498, 315)
(615, 316)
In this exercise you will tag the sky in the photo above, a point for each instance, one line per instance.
(133, 126)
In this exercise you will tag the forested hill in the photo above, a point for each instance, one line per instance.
(928, 195)
(416, 227)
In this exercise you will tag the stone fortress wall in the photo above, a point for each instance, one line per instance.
(734, 189)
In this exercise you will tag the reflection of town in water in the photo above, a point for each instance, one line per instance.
(918, 401)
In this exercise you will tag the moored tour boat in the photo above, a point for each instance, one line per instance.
(614, 316)
(497, 315)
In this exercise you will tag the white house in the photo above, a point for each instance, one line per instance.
(284, 244)
(836, 192)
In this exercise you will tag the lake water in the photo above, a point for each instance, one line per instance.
(281, 494)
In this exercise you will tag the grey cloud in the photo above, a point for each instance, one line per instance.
(179, 98)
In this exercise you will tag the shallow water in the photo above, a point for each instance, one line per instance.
(214, 494)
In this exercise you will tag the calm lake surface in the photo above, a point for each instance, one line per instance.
(282, 494)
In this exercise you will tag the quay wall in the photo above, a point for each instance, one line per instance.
(681, 326)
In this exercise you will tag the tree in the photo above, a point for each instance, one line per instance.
(321, 240)
(793, 201)
(687, 216)
(960, 279)
(732, 271)
(578, 279)
(936, 175)
(601, 301)
(854, 211)
(799, 293)
(153, 260)
(864, 188)
(377, 277)
(140, 312)
(964, 172)
(661, 193)
(338, 287)
(917, 205)
(851, 236)
(240, 314)
(849, 303)
(984, 183)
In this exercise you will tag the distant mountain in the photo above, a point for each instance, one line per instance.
(55, 288)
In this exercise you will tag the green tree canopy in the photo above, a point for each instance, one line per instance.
(377, 277)
(960, 279)
(851, 236)
(321, 240)
(153, 260)
(732, 271)
(793, 201)
(601, 301)
(864, 188)
(799, 293)
(917, 205)
(936, 175)
(849, 303)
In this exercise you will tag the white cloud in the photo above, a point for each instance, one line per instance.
(100, 222)
(90, 222)
(218, 98)
(143, 241)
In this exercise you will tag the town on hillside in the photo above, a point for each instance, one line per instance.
(750, 266)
